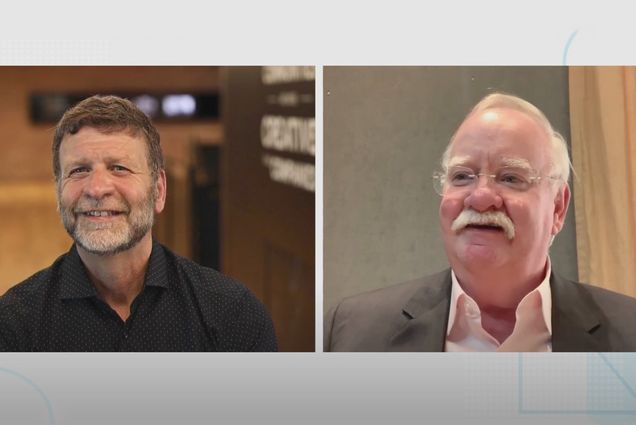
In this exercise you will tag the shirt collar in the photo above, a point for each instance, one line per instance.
(75, 283)
(543, 289)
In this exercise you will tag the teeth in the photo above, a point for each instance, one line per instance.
(98, 213)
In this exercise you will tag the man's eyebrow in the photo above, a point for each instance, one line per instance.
(75, 162)
(458, 160)
(516, 163)
(106, 159)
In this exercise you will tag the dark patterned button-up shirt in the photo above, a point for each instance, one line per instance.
(182, 307)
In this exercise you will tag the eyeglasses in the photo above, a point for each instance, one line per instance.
(506, 179)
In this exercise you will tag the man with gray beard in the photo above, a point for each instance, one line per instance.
(117, 289)
(504, 197)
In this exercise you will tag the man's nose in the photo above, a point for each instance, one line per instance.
(484, 195)
(98, 184)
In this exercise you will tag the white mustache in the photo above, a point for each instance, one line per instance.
(491, 218)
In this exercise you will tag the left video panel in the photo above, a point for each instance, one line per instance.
(157, 208)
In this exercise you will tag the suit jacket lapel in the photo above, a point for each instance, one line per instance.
(576, 319)
(427, 313)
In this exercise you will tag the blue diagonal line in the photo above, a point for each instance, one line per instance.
(608, 363)
(567, 47)
(36, 388)
(618, 375)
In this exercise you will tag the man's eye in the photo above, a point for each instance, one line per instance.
(513, 179)
(462, 177)
(509, 178)
(78, 171)
(120, 169)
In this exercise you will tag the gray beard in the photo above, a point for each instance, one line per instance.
(110, 238)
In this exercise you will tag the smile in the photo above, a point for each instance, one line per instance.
(96, 213)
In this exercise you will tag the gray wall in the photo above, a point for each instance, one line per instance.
(385, 129)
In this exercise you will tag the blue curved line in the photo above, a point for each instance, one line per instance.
(567, 47)
(36, 388)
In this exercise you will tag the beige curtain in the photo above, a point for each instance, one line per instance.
(603, 124)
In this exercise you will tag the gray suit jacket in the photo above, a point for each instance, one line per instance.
(413, 316)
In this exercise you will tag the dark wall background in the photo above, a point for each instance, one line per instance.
(385, 129)
(268, 239)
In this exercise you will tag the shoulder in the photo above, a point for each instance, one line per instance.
(388, 299)
(613, 304)
(610, 302)
(206, 280)
(367, 321)
(22, 305)
(228, 308)
(610, 297)
(610, 315)
(31, 289)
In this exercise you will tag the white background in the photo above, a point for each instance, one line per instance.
(301, 388)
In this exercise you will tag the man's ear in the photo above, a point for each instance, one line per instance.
(161, 186)
(561, 202)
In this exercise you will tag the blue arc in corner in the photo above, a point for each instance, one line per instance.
(567, 47)
(36, 388)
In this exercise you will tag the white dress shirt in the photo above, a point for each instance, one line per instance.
(533, 326)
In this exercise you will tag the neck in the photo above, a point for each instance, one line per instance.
(499, 322)
(499, 290)
(119, 278)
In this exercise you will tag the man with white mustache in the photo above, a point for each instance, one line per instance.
(504, 197)
(493, 218)
(117, 289)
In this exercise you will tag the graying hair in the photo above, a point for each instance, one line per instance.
(560, 160)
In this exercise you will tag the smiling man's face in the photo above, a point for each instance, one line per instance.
(487, 142)
(106, 194)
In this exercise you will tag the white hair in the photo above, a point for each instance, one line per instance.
(560, 160)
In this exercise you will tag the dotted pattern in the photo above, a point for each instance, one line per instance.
(182, 307)
(55, 52)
